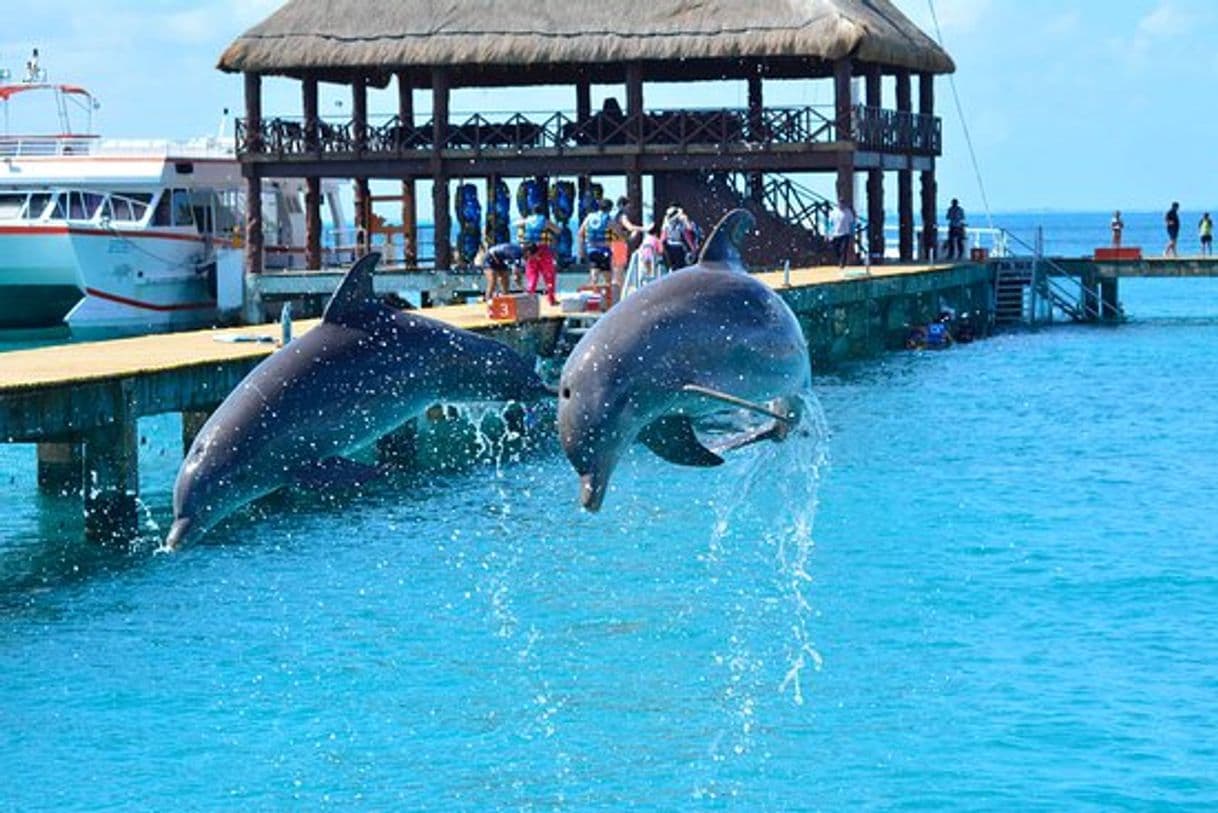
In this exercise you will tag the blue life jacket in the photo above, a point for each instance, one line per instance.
(535, 231)
(936, 334)
(596, 229)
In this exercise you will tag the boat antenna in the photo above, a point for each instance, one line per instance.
(968, 139)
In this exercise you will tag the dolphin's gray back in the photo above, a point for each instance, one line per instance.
(706, 326)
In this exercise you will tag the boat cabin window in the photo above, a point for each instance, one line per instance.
(12, 204)
(162, 216)
(130, 207)
(183, 212)
(37, 205)
(59, 207)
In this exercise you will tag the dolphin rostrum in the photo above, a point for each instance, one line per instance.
(358, 375)
(688, 344)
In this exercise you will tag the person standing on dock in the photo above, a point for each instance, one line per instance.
(1118, 226)
(1172, 221)
(841, 230)
(677, 234)
(536, 234)
(955, 231)
(1206, 230)
(595, 235)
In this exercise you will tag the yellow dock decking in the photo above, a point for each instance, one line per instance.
(161, 352)
(117, 358)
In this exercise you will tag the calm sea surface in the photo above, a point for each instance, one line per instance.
(988, 582)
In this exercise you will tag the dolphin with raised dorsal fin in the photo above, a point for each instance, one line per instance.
(360, 374)
(680, 347)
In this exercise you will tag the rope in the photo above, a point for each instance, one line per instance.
(968, 139)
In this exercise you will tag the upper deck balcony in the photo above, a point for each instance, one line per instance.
(656, 131)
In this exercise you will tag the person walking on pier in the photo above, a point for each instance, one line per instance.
(1172, 221)
(841, 231)
(1206, 229)
(1118, 226)
(536, 234)
(955, 231)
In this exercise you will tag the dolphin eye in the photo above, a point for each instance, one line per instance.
(566, 392)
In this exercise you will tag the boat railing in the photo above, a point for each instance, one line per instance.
(91, 145)
(993, 241)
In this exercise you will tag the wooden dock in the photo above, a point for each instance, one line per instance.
(80, 402)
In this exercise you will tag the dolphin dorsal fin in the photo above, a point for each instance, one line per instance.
(723, 247)
(354, 292)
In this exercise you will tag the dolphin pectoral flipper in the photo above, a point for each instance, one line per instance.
(743, 403)
(770, 430)
(337, 472)
(672, 438)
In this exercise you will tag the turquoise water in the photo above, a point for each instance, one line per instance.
(995, 591)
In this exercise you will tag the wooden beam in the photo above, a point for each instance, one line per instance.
(313, 223)
(440, 79)
(410, 225)
(930, 189)
(755, 120)
(844, 113)
(634, 94)
(308, 106)
(359, 113)
(875, 177)
(583, 99)
(905, 208)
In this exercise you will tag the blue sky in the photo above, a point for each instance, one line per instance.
(1071, 104)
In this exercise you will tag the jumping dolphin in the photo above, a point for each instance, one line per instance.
(361, 373)
(681, 347)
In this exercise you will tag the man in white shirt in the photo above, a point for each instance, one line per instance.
(841, 229)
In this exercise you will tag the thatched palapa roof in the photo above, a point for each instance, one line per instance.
(381, 35)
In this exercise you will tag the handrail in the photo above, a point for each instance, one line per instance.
(878, 129)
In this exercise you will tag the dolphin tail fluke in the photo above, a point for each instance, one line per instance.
(672, 438)
(723, 247)
(354, 292)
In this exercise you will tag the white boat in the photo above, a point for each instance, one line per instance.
(125, 236)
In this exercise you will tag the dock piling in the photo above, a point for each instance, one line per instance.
(112, 481)
(61, 467)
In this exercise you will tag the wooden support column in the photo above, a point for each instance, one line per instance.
(634, 107)
(583, 99)
(359, 137)
(254, 240)
(308, 92)
(756, 134)
(61, 467)
(359, 114)
(930, 192)
(440, 85)
(844, 116)
(363, 215)
(410, 225)
(905, 210)
(875, 177)
(111, 481)
(308, 107)
(313, 224)
(1110, 303)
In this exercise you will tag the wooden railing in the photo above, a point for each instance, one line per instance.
(872, 128)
